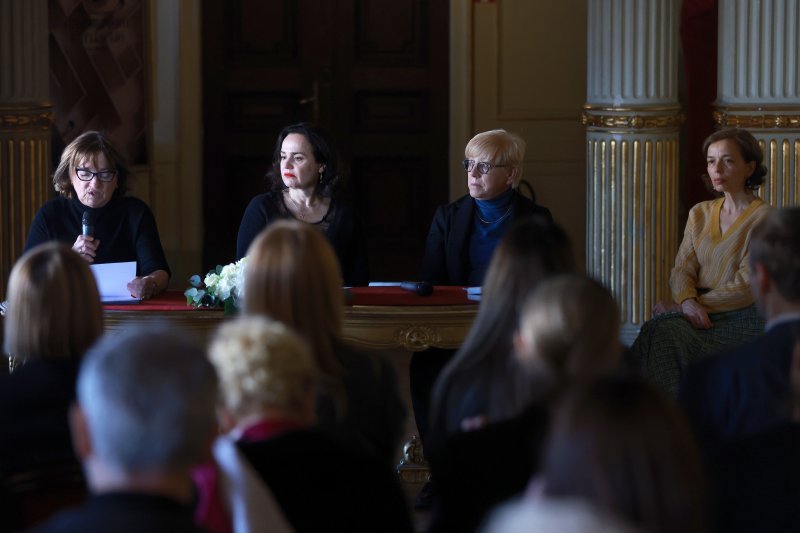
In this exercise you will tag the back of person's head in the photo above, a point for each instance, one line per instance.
(293, 277)
(623, 446)
(148, 396)
(90, 144)
(569, 330)
(263, 364)
(775, 244)
(54, 308)
(533, 249)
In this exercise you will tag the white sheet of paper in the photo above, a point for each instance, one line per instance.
(112, 282)
(473, 290)
(384, 283)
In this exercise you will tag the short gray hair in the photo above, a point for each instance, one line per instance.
(149, 398)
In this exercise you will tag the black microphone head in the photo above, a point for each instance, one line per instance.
(87, 223)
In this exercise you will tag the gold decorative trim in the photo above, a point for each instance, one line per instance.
(39, 118)
(631, 120)
(762, 121)
(415, 338)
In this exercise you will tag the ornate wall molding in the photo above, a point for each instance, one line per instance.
(629, 119)
(727, 118)
(26, 118)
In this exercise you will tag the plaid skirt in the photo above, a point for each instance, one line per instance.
(667, 344)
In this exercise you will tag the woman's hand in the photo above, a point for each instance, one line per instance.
(471, 423)
(143, 287)
(666, 307)
(695, 314)
(86, 246)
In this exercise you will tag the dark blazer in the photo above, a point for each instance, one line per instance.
(742, 391)
(757, 481)
(345, 233)
(478, 470)
(374, 414)
(446, 260)
(34, 401)
(125, 512)
(323, 484)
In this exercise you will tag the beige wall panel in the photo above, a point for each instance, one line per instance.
(529, 76)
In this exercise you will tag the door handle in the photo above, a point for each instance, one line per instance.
(313, 100)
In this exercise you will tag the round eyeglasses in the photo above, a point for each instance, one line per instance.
(483, 167)
(84, 174)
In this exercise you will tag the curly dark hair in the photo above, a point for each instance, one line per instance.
(324, 152)
(89, 144)
(750, 149)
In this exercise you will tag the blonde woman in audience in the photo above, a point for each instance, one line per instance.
(624, 448)
(293, 277)
(54, 315)
(268, 380)
(568, 333)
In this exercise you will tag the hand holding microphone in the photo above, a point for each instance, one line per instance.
(86, 244)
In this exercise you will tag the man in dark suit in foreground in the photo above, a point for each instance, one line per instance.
(145, 415)
(747, 390)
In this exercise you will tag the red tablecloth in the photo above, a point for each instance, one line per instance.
(379, 296)
(390, 296)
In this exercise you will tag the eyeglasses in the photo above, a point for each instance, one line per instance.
(84, 174)
(483, 167)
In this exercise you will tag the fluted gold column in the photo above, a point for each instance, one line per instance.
(632, 118)
(25, 120)
(758, 86)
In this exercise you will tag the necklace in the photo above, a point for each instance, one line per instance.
(504, 215)
(300, 209)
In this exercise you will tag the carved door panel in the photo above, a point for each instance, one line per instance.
(372, 72)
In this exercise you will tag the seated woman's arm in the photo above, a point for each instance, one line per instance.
(683, 279)
(151, 264)
(434, 263)
(734, 294)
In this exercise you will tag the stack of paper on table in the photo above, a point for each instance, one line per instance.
(112, 282)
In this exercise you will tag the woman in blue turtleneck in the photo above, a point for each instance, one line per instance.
(461, 241)
(464, 234)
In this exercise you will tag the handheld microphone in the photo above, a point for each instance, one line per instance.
(420, 288)
(87, 224)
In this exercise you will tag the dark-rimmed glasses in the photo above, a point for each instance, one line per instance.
(483, 167)
(84, 174)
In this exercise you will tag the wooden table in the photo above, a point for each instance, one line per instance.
(377, 318)
(387, 319)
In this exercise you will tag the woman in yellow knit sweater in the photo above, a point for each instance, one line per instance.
(713, 305)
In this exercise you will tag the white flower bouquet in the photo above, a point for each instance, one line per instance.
(222, 287)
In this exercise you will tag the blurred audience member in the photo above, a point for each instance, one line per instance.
(268, 379)
(758, 476)
(744, 390)
(467, 389)
(568, 333)
(145, 415)
(54, 315)
(624, 447)
(293, 277)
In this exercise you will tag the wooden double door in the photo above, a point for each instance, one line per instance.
(374, 73)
